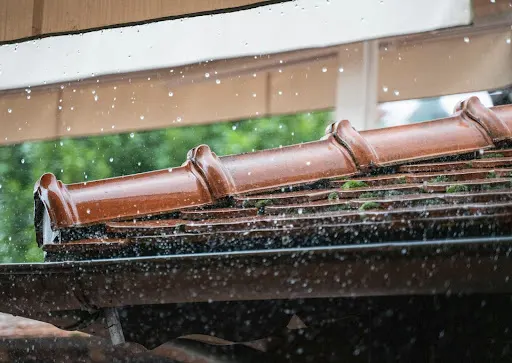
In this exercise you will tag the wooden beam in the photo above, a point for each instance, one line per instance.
(252, 87)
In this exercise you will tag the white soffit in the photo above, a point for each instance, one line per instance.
(293, 25)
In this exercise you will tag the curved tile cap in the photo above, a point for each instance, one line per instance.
(205, 178)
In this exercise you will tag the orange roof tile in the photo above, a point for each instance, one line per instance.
(410, 181)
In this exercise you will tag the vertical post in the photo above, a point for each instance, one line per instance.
(357, 85)
(114, 326)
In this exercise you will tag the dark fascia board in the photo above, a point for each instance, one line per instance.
(378, 269)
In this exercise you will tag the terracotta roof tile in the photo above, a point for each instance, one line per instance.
(415, 181)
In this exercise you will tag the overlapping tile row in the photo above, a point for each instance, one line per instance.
(206, 179)
(456, 200)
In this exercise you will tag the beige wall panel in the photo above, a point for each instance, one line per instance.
(72, 15)
(15, 19)
(303, 87)
(146, 104)
(446, 67)
(23, 118)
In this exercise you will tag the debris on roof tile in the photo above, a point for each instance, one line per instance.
(439, 179)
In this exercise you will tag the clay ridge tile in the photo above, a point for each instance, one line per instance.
(206, 178)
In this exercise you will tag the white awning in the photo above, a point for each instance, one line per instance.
(299, 24)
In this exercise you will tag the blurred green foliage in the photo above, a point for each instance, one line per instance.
(80, 159)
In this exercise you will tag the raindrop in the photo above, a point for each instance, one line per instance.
(141, 117)
(9, 110)
(340, 69)
(466, 39)
(68, 128)
(96, 98)
(111, 159)
(88, 211)
(233, 127)
(508, 40)
(324, 69)
(308, 163)
(132, 135)
(207, 75)
(280, 93)
(493, 1)
(171, 94)
(396, 93)
(385, 89)
(254, 94)
(217, 81)
(23, 161)
(178, 119)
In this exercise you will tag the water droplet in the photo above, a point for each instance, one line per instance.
(254, 94)
(396, 92)
(217, 81)
(141, 117)
(280, 93)
(23, 161)
(340, 69)
(68, 128)
(178, 119)
(233, 127)
(466, 39)
(508, 40)
(385, 89)
(324, 69)
(111, 159)
(308, 163)
(88, 211)
(132, 135)
(96, 98)
(171, 94)
(207, 75)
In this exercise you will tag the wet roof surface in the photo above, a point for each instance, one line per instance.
(443, 179)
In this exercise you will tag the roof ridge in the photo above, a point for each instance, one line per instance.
(205, 178)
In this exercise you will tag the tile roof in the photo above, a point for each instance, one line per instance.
(439, 179)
